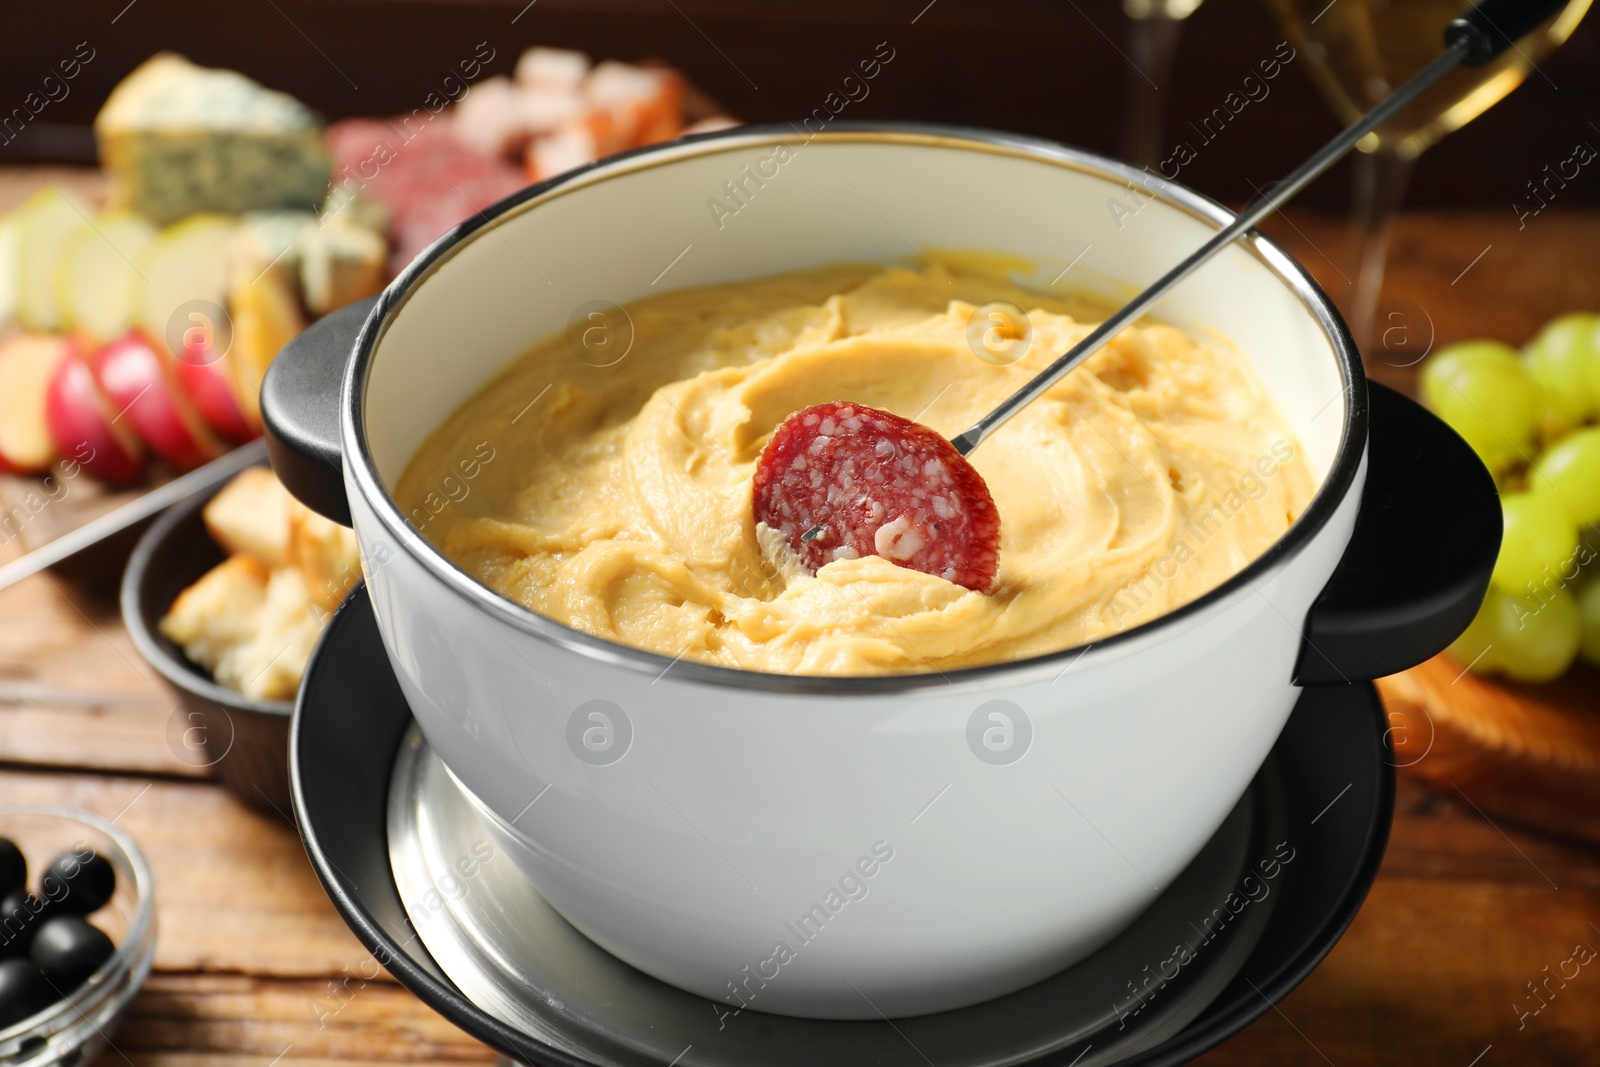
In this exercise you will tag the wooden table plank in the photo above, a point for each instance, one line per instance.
(207, 1019)
(1438, 836)
(53, 736)
(73, 691)
(1433, 969)
(70, 642)
(1435, 294)
(1433, 973)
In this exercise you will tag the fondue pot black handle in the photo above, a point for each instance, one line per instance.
(301, 398)
(1418, 563)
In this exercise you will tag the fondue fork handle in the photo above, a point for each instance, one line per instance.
(1472, 40)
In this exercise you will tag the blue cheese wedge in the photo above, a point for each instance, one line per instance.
(179, 139)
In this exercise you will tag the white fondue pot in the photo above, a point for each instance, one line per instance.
(861, 847)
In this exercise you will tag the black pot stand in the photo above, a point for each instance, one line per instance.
(1258, 909)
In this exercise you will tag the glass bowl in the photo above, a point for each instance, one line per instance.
(79, 1028)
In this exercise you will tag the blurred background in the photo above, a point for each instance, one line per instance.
(1052, 68)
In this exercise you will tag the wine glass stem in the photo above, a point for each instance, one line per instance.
(1381, 180)
(1152, 43)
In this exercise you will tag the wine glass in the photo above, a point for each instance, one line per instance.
(1152, 42)
(1357, 51)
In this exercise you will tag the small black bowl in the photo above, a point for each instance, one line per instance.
(244, 742)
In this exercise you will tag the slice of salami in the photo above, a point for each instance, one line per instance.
(842, 481)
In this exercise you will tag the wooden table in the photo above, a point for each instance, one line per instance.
(1464, 914)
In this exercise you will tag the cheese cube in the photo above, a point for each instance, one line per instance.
(251, 516)
(217, 616)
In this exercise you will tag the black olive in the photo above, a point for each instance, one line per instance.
(13, 867)
(20, 912)
(23, 991)
(68, 950)
(79, 883)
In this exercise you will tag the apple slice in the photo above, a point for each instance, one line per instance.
(186, 284)
(10, 260)
(97, 285)
(27, 362)
(144, 390)
(86, 428)
(208, 379)
(45, 221)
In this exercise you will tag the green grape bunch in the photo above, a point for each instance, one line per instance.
(1531, 417)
